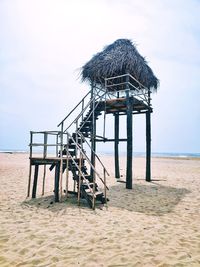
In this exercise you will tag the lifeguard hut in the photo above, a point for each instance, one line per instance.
(121, 84)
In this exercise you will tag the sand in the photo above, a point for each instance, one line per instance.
(155, 224)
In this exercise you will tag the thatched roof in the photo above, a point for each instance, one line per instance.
(119, 58)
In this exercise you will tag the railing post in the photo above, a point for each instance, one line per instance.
(82, 108)
(61, 160)
(105, 191)
(67, 167)
(30, 164)
(44, 156)
(57, 145)
(79, 176)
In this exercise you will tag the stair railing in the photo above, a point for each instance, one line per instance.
(93, 110)
(86, 157)
(101, 163)
(85, 108)
(85, 140)
(80, 102)
(78, 166)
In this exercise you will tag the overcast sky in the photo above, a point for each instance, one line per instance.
(43, 44)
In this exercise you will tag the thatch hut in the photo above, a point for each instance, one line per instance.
(116, 59)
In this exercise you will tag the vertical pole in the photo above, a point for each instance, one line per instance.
(44, 156)
(57, 145)
(67, 167)
(148, 141)
(93, 133)
(117, 172)
(61, 160)
(30, 164)
(80, 167)
(35, 181)
(82, 108)
(105, 192)
(129, 137)
(56, 184)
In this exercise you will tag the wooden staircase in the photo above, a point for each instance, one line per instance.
(75, 135)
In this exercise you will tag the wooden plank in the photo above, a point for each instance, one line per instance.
(129, 142)
(93, 139)
(148, 146)
(56, 183)
(35, 181)
(111, 140)
(116, 145)
(30, 166)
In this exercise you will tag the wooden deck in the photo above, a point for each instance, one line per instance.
(120, 105)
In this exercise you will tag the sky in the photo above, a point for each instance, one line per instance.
(44, 43)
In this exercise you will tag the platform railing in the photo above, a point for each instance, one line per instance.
(44, 153)
(137, 89)
(59, 145)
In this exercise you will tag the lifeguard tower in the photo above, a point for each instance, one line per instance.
(121, 84)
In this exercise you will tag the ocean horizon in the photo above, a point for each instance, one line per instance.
(123, 153)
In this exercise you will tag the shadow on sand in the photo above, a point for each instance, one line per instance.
(151, 199)
(47, 202)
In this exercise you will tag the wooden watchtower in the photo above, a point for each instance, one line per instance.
(121, 84)
(123, 74)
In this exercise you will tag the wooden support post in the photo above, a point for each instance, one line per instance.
(129, 139)
(44, 156)
(79, 173)
(61, 161)
(117, 172)
(93, 134)
(35, 181)
(67, 167)
(148, 146)
(56, 184)
(30, 165)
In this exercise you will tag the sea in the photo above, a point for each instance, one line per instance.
(135, 154)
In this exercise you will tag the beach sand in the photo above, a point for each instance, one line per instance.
(155, 224)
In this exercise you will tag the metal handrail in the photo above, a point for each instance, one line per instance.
(91, 113)
(86, 157)
(140, 89)
(83, 175)
(82, 136)
(74, 108)
(82, 112)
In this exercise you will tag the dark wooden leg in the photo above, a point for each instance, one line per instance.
(129, 142)
(35, 181)
(93, 145)
(148, 146)
(56, 185)
(117, 172)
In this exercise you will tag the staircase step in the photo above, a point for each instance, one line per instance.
(72, 153)
(98, 193)
(72, 146)
(85, 129)
(85, 123)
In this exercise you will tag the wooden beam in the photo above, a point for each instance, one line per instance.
(93, 134)
(129, 141)
(56, 183)
(111, 140)
(116, 142)
(148, 147)
(35, 181)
